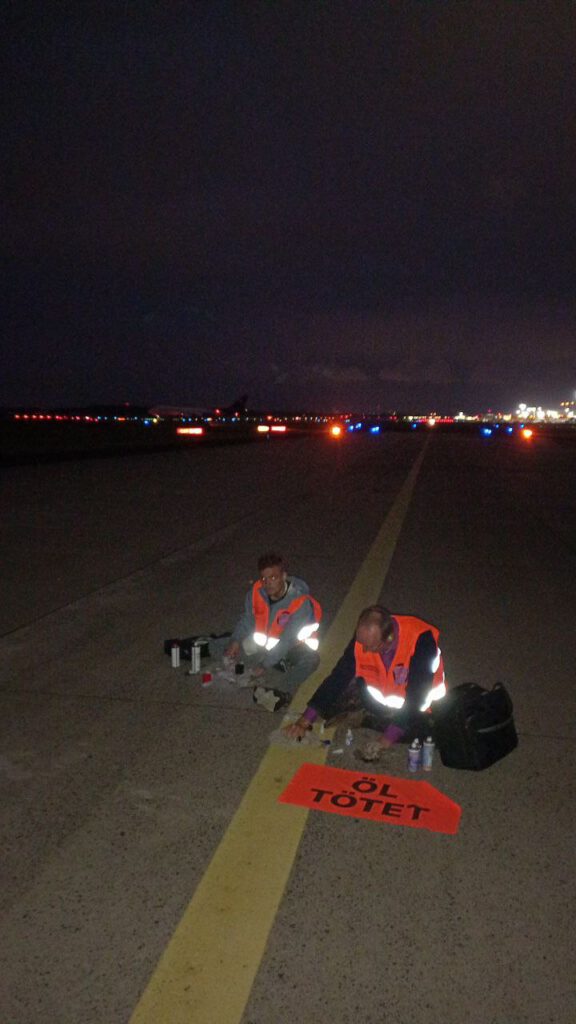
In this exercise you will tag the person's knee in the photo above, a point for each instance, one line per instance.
(313, 660)
(300, 654)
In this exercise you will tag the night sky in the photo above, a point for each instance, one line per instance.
(324, 203)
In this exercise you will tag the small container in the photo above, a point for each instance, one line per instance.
(239, 668)
(194, 658)
(428, 754)
(414, 756)
(175, 655)
(349, 738)
(206, 678)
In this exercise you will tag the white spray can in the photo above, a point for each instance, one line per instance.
(194, 659)
(414, 756)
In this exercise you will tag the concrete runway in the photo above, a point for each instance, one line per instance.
(120, 777)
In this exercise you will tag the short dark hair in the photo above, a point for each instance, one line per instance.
(268, 559)
(375, 615)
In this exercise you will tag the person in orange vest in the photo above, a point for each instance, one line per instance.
(278, 628)
(392, 668)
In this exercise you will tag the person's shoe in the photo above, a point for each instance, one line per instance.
(271, 700)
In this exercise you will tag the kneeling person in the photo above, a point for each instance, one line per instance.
(279, 625)
(392, 668)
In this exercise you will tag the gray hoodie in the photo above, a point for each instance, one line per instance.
(302, 617)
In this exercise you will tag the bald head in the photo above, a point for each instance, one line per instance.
(375, 630)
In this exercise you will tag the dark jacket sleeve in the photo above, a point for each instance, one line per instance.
(420, 676)
(325, 700)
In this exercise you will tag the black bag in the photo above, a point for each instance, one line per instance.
(185, 645)
(474, 727)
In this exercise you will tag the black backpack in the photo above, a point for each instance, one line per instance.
(474, 727)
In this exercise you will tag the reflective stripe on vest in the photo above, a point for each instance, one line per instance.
(268, 634)
(388, 686)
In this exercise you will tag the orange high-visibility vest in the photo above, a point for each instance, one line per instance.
(391, 682)
(280, 617)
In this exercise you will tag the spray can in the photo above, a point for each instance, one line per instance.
(194, 659)
(428, 754)
(414, 756)
(175, 655)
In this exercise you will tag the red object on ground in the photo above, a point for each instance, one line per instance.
(380, 798)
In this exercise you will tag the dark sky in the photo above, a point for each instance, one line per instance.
(323, 203)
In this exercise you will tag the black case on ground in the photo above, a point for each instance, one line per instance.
(474, 727)
(185, 645)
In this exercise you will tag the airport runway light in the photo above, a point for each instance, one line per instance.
(527, 433)
(262, 428)
(278, 428)
(336, 430)
(190, 430)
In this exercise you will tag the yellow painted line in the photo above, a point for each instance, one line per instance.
(208, 968)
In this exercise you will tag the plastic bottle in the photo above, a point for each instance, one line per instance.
(414, 756)
(428, 754)
(175, 655)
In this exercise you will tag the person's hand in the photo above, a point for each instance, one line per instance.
(233, 650)
(296, 730)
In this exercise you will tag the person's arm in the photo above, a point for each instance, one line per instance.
(245, 624)
(243, 628)
(327, 694)
(420, 676)
(331, 689)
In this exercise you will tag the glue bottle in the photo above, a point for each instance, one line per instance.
(428, 754)
(414, 756)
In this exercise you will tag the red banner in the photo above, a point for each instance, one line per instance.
(380, 798)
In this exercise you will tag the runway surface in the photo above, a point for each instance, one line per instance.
(126, 788)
